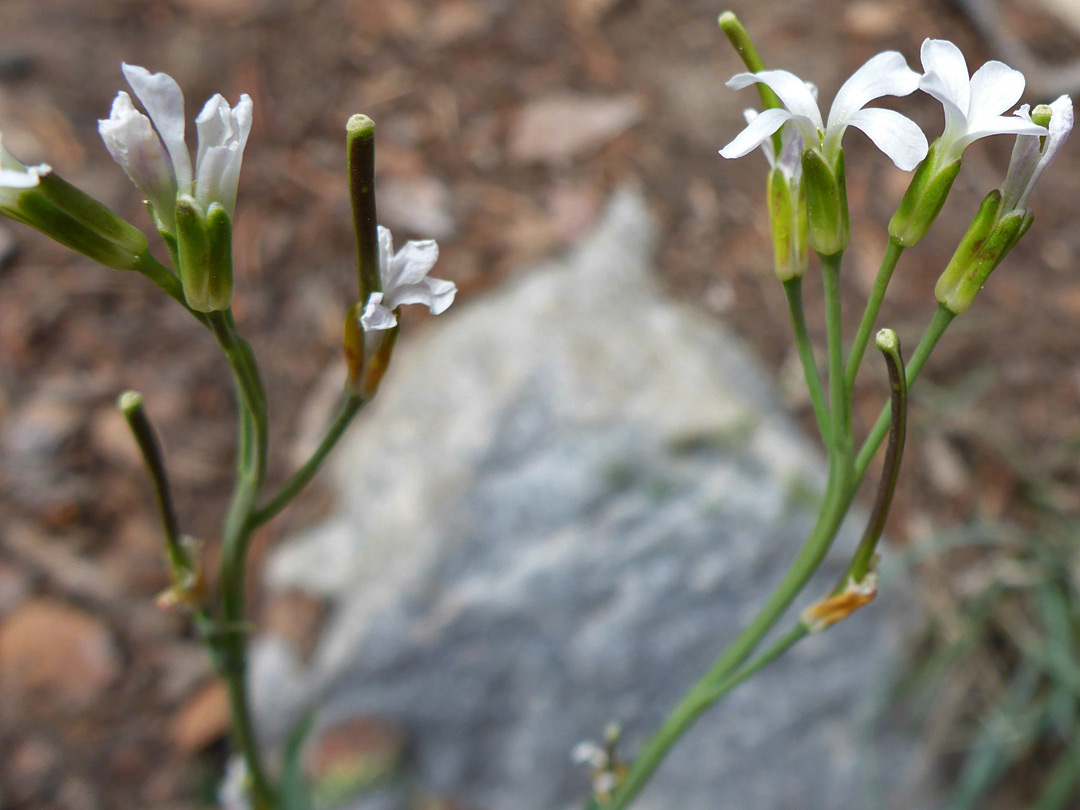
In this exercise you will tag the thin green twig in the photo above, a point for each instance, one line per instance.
(350, 406)
(793, 291)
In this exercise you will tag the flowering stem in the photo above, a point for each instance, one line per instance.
(793, 290)
(229, 638)
(166, 281)
(839, 402)
(725, 673)
(350, 406)
(873, 307)
(942, 318)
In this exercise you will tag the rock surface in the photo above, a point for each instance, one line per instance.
(567, 499)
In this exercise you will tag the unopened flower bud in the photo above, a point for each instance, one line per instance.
(986, 243)
(826, 203)
(923, 199)
(787, 222)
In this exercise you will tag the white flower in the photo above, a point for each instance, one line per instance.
(789, 161)
(886, 74)
(17, 176)
(404, 278)
(1032, 155)
(153, 152)
(973, 106)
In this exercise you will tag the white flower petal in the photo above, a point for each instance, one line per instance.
(376, 316)
(995, 87)
(792, 91)
(241, 119)
(886, 74)
(386, 253)
(210, 173)
(895, 135)
(223, 133)
(214, 125)
(134, 144)
(999, 125)
(766, 145)
(164, 101)
(411, 264)
(945, 74)
(756, 132)
(1061, 124)
(12, 178)
(443, 293)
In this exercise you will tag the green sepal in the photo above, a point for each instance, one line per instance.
(74, 219)
(193, 253)
(981, 250)
(787, 223)
(826, 203)
(923, 200)
(219, 281)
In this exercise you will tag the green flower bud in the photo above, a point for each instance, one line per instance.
(826, 203)
(787, 221)
(75, 220)
(193, 253)
(987, 242)
(219, 277)
(923, 199)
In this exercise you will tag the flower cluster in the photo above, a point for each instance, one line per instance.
(974, 106)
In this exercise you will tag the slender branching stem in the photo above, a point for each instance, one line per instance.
(350, 406)
(229, 636)
(873, 307)
(793, 290)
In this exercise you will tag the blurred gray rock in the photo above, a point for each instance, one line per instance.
(569, 496)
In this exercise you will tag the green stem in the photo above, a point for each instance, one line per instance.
(873, 307)
(712, 686)
(889, 344)
(942, 318)
(793, 290)
(131, 405)
(165, 280)
(839, 403)
(350, 406)
(728, 672)
(229, 637)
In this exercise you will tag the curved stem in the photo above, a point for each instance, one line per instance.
(793, 291)
(942, 318)
(350, 406)
(873, 307)
(894, 452)
(131, 405)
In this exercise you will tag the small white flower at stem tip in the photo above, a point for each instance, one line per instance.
(1032, 155)
(975, 105)
(886, 74)
(404, 279)
(153, 151)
